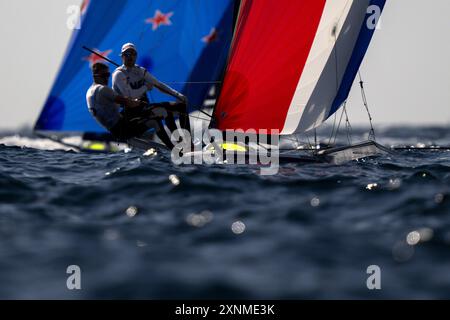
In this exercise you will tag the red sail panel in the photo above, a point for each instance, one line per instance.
(270, 49)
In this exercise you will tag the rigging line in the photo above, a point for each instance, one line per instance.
(339, 125)
(193, 116)
(315, 137)
(297, 141)
(198, 118)
(289, 138)
(267, 149)
(192, 82)
(207, 114)
(366, 105)
(348, 126)
(295, 138)
(334, 127)
(309, 143)
(300, 144)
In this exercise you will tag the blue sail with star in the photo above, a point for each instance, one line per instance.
(184, 43)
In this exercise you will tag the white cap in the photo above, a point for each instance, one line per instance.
(128, 46)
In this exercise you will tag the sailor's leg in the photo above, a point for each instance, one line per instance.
(167, 111)
(162, 109)
(170, 121)
(119, 130)
(130, 113)
(181, 108)
(176, 107)
(162, 135)
(138, 126)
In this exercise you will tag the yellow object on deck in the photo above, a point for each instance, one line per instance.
(96, 146)
(233, 147)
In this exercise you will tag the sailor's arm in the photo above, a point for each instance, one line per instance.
(153, 82)
(127, 102)
(121, 88)
(120, 83)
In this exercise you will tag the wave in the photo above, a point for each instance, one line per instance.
(33, 143)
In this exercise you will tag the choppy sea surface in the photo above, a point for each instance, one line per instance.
(141, 227)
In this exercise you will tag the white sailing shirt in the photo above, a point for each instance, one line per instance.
(136, 81)
(100, 101)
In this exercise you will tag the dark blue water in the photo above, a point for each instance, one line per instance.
(310, 232)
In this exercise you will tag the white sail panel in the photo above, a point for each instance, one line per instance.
(327, 62)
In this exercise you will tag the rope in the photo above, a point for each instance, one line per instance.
(366, 105)
(192, 82)
(332, 130)
(188, 114)
(316, 143)
(339, 125)
(309, 142)
(207, 114)
(348, 126)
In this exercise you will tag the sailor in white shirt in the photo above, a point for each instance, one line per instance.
(133, 81)
(104, 104)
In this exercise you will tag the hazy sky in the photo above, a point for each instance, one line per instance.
(407, 69)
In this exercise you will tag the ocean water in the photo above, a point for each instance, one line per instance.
(140, 227)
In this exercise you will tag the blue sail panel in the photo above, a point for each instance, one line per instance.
(181, 42)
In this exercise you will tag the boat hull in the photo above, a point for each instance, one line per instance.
(337, 155)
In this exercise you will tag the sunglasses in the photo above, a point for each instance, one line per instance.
(103, 74)
(129, 54)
